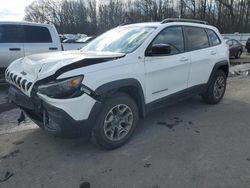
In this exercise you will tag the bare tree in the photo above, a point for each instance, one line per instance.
(90, 17)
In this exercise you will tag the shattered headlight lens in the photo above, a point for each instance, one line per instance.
(64, 88)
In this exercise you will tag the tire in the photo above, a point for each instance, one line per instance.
(116, 122)
(237, 56)
(216, 88)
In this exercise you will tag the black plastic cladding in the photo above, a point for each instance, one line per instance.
(184, 20)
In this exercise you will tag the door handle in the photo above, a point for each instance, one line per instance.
(184, 59)
(14, 49)
(213, 53)
(53, 48)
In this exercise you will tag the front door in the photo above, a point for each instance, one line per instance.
(166, 73)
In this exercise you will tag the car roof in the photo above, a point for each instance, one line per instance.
(145, 24)
(162, 25)
(24, 23)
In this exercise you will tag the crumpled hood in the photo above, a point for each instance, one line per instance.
(49, 63)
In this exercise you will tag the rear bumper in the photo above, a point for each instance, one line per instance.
(52, 119)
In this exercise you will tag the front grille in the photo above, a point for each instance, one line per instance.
(23, 84)
(17, 80)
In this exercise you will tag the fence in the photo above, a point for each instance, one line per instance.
(241, 37)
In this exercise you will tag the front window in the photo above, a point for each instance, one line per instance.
(121, 39)
(172, 36)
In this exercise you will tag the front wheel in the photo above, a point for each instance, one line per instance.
(216, 88)
(116, 123)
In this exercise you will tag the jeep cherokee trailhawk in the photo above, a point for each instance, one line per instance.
(120, 76)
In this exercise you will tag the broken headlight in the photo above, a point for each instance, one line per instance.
(64, 88)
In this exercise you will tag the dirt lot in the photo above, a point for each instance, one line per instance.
(189, 145)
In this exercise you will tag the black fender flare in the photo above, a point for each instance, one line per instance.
(216, 67)
(110, 88)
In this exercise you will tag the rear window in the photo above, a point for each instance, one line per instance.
(37, 34)
(235, 42)
(196, 38)
(11, 34)
(213, 37)
(229, 42)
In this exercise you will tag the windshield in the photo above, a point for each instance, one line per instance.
(120, 39)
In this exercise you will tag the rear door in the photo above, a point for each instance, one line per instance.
(11, 44)
(203, 55)
(38, 39)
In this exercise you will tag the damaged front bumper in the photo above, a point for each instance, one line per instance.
(52, 119)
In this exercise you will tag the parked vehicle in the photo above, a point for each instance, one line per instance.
(85, 40)
(235, 48)
(73, 44)
(120, 76)
(62, 38)
(69, 41)
(248, 45)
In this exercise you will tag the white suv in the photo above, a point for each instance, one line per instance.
(120, 76)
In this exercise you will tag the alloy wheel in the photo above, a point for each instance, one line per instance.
(219, 87)
(118, 122)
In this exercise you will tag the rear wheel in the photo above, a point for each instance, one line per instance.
(216, 89)
(237, 56)
(116, 123)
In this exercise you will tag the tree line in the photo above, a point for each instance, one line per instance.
(93, 17)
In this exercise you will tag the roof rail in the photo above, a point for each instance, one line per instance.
(184, 20)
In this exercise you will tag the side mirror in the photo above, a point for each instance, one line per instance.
(160, 49)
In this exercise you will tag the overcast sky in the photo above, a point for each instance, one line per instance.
(13, 10)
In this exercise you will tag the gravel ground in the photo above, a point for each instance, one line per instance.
(189, 144)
